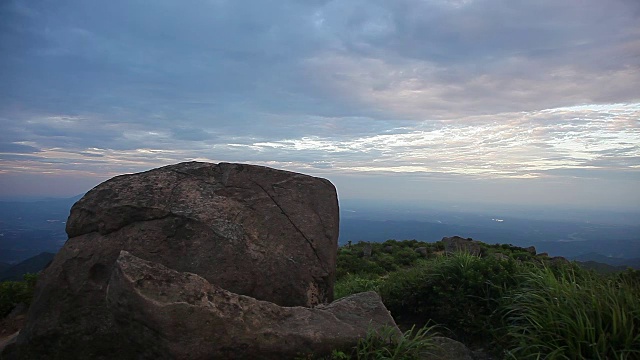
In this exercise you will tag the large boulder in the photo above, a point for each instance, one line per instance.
(179, 315)
(252, 230)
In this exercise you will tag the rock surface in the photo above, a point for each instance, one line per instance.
(422, 251)
(366, 250)
(252, 230)
(179, 315)
(456, 243)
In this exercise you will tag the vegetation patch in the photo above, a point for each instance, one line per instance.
(572, 314)
(13, 293)
(507, 298)
(386, 344)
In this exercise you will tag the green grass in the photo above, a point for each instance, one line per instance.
(352, 284)
(386, 343)
(521, 306)
(572, 314)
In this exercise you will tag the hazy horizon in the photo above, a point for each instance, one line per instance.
(516, 104)
(394, 210)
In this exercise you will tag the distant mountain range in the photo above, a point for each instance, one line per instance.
(615, 244)
(32, 265)
(28, 228)
(614, 262)
(556, 238)
(601, 268)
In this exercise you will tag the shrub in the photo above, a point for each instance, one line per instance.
(351, 263)
(13, 293)
(460, 292)
(380, 262)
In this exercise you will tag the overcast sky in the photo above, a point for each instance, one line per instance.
(525, 102)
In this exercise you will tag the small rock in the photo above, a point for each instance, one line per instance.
(559, 260)
(422, 251)
(366, 250)
(456, 243)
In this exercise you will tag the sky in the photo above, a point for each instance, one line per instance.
(423, 101)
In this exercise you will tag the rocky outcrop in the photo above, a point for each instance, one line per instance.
(179, 315)
(456, 243)
(559, 261)
(251, 230)
(240, 226)
(422, 251)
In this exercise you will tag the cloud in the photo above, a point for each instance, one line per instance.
(7, 148)
(520, 145)
(490, 89)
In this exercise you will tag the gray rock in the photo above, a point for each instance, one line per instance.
(559, 260)
(388, 249)
(252, 230)
(366, 250)
(422, 251)
(531, 250)
(456, 244)
(177, 315)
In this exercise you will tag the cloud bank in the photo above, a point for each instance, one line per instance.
(462, 91)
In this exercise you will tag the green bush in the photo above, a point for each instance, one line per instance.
(13, 293)
(521, 305)
(351, 261)
(460, 292)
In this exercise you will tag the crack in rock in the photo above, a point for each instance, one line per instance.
(294, 225)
